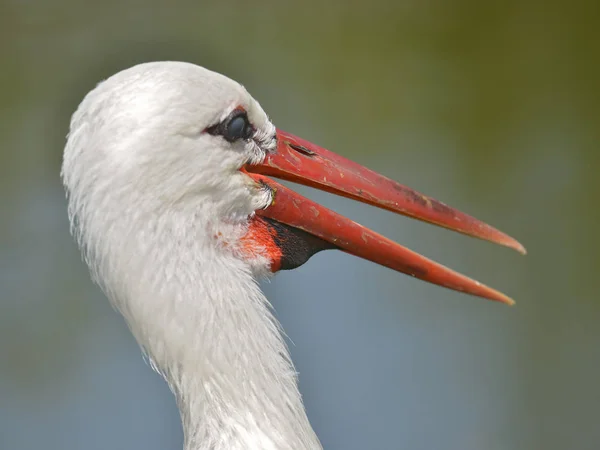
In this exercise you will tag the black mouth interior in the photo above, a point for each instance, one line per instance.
(297, 246)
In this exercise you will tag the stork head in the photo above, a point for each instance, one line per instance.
(174, 139)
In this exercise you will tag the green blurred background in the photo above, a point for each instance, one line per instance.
(493, 108)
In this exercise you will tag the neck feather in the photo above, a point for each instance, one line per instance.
(200, 316)
(244, 392)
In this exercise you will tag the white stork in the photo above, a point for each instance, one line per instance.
(167, 169)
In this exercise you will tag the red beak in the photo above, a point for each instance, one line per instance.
(302, 162)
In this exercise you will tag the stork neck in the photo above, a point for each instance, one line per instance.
(244, 394)
(209, 330)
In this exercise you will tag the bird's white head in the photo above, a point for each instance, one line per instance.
(165, 138)
(167, 171)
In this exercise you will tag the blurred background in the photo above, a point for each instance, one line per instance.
(493, 109)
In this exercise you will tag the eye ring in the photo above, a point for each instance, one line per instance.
(235, 127)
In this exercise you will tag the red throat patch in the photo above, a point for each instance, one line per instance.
(260, 240)
(285, 246)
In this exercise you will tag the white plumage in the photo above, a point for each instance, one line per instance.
(148, 193)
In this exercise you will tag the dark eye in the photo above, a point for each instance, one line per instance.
(237, 127)
(233, 128)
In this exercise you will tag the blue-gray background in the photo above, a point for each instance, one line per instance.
(492, 109)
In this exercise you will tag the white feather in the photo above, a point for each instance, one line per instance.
(158, 207)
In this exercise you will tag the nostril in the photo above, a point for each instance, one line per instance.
(302, 149)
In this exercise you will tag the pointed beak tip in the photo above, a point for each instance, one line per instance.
(522, 250)
(509, 301)
(515, 245)
(497, 296)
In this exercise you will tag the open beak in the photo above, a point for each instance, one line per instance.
(302, 162)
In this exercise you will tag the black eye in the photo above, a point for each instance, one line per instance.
(237, 127)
